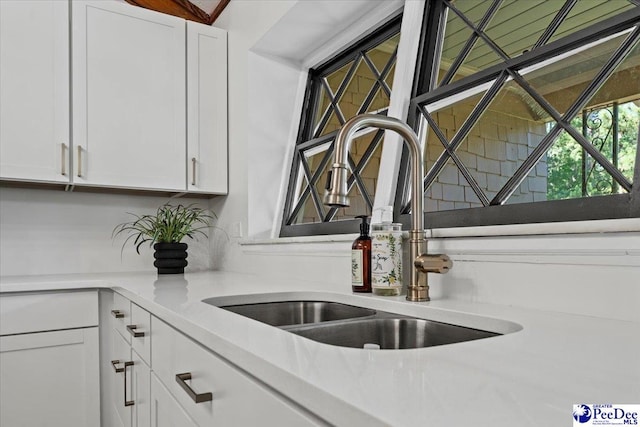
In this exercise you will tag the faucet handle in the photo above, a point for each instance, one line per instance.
(328, 184)
(437, 263)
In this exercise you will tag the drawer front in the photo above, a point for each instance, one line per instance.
(121, 315)
(165, 410)
(140, 332)
(38, 312)
(232, 391)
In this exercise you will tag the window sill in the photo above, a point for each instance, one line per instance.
(298, 240)
(332, 246)
(540, 229)
(552, 228)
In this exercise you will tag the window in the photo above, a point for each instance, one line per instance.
(530, 112)
(357, 80)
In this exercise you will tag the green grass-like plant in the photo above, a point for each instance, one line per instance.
(170, 224)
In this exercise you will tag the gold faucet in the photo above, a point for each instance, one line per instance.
(336, 196)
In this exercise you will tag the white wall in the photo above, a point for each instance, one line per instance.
(57, 232)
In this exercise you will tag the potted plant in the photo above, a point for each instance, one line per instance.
(165, 231)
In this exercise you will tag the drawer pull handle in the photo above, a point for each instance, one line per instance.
(126, 402)
(117, 314)
(196, 397)
(115, 368)
(132, 330)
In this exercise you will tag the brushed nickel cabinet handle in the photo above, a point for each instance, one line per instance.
(63, 160)
(196, 397)
(132, 331)
(117, 314)
(193, 171)
(127, 402)
(115, 368)
(79, 161)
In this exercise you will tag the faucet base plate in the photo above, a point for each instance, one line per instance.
(418, 293)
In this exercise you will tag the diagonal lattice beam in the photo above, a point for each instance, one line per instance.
(310, 183)
(468, 47)
(461, 166)
(466, 127)
(333, 101)
(555, 23)
(381, 76)
(338, 95)
(314, 194)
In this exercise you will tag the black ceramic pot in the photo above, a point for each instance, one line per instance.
(171, 258)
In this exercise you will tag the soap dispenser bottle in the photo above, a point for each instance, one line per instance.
(361, 259)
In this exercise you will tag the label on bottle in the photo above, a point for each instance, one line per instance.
(386, 259)
(356, 267)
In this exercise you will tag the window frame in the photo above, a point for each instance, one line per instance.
(615, 206)
(305, 140)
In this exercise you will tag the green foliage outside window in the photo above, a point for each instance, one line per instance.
(565, 162)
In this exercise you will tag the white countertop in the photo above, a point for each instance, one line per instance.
(531, 377)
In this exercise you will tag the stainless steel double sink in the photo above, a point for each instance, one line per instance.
(351, 326)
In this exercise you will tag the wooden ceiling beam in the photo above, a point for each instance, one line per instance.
(183, 9)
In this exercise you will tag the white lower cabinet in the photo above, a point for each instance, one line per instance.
(50, 377)
(212, 391)
(133, 370)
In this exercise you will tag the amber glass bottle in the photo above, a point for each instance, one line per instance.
(361, 259)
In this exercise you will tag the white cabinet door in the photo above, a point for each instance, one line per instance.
(50, 379)
(165, 410)
(34, 90)
(129, 96)
(207, 109)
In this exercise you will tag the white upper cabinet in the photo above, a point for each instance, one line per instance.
(34, 90)
(129, 97)
(146, 92)
(207, 109)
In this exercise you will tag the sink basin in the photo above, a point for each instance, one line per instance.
(288, 313)
(390, 333)
(318, 317)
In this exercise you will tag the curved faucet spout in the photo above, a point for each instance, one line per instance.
(336, 195)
